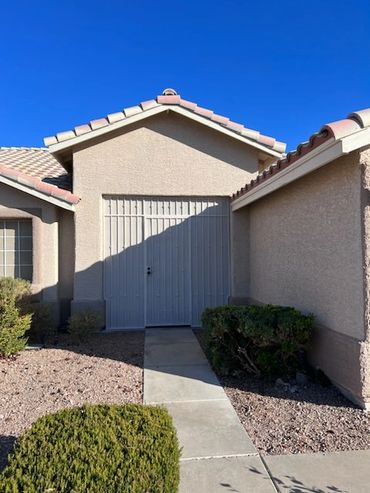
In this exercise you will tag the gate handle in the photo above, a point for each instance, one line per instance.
(148, 270)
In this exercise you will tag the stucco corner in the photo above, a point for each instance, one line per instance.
(364, 160)
(365, 371)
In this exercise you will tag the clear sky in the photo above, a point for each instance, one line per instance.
(282, 67)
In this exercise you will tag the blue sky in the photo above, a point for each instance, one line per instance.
(281, 67)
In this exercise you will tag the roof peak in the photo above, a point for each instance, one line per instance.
(168, 98)
(170, 92)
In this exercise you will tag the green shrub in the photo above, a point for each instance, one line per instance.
(13, 327)
(95, 449)
(18, 290)
(43, 324)
(257, 339)
(84, 323)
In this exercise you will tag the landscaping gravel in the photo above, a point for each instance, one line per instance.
(296, 418)
(107, 368)
(312, 419)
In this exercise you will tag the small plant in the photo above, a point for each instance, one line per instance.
(84, 323)
(95, 449)
(13, 327)
(265, 340)
(43, 324)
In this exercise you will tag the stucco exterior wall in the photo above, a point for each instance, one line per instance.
(240, 272)
(66, 261)
(306, 250)
(304, 245)
(53, 245)
(16, 204)
(365, 345)
(167, 155)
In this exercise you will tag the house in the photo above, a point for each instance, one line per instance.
(133, 215)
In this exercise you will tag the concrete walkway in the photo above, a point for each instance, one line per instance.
(337, 472)
(217, 454)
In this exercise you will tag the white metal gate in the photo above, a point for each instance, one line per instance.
(165, 259)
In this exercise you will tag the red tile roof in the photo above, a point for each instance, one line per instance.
(354, 123)
(169, 97)
(37, 169)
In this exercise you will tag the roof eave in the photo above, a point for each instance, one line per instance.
(35, 193)
(322, 155)
(61, 147)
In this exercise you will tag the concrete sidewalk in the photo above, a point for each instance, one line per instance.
(217, 454)
(337, 472)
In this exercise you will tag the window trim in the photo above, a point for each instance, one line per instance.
(35, 214)
(17, 250)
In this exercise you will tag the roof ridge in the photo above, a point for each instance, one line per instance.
(355, 122)
(168, 97)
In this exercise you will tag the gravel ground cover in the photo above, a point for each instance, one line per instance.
(296, 418)
(107, 368)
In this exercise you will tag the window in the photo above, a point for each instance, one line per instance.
(16, 248)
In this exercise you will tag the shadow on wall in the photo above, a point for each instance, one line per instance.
(168, 252)
(193, 135)
(167, 279)
(205, 140)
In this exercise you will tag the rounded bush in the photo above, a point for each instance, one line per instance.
(262, 340)
(95, 449)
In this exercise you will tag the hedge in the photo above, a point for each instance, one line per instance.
(95, 449)
(265, 339)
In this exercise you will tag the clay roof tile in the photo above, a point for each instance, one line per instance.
(169, 97)
(336, 130)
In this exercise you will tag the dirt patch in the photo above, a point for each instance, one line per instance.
(296, 418)
(108, 368)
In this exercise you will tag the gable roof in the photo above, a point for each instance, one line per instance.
(168, 100)
(353, 130)
(36, 171)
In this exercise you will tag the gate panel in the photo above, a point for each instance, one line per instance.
(168, 271)
(124, 263)
(185, 244)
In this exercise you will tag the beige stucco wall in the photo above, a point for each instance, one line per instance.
(66, 262)
(16, 204)
(66, 253)
(165, 155)
(365, 203)
(240, 272)
(53, 246)
(304, 249)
